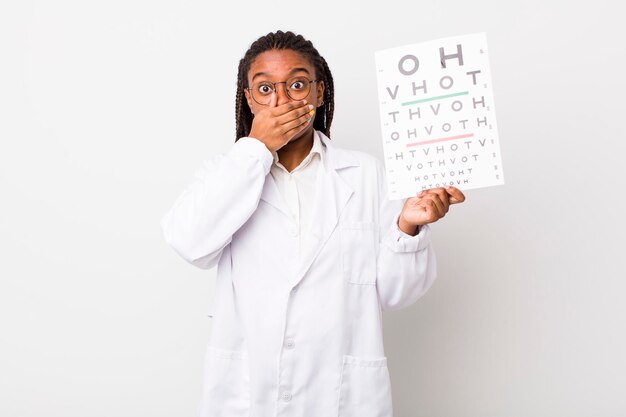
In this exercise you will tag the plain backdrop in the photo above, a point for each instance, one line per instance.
(108, 108)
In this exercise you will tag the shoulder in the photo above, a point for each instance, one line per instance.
(363, 159)
(345, 157)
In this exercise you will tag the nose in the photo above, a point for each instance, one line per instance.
(281, 92)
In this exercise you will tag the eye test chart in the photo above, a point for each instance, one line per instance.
(437, 114)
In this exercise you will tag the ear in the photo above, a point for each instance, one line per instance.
(320, 91)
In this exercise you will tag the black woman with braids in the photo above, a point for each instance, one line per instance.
(308, 248)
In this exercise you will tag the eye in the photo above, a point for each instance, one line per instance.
(298, 84)
(264, 89)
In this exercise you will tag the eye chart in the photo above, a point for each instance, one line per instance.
(437, 115)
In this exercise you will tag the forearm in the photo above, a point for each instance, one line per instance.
(407, 268)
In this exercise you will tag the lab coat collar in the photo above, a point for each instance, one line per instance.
(336, 158)
(332, 159)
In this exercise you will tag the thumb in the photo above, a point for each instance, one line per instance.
(455, 195)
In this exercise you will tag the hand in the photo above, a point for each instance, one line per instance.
(276, 125)
(428, 207)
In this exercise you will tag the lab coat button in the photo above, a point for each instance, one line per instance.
(290, 344)
(286, 396)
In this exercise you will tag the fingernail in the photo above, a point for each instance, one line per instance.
(309, 120)
(311, 107)
(312, 112)
(304, 102)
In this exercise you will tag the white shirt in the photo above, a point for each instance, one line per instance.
(298, 188)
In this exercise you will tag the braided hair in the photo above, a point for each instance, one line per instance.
(283, 40)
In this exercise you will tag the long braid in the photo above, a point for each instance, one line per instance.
(243, 115)
(329, 99)
(283, 40)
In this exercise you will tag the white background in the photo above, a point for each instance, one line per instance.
(107, 109)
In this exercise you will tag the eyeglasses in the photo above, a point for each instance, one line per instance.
(297, 88)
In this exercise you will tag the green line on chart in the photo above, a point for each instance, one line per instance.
(462, 93)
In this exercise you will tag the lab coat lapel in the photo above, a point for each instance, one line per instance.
(271, 195)
(332, 195)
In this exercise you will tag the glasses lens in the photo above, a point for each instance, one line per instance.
(262, 92)
(298, 88)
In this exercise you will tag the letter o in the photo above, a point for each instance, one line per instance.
(395, 136)
(447, 77)
(416, 64)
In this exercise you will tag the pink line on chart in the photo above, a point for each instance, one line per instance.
(469, 135)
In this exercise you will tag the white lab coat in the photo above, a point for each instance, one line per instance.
(298, 338)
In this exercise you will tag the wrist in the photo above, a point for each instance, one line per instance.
(406, 227)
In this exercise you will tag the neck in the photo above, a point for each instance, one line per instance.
(295, 151)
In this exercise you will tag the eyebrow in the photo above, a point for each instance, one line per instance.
(293, 71)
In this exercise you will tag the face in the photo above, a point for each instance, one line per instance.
(279, 66)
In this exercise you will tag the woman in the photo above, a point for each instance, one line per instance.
(309, 249)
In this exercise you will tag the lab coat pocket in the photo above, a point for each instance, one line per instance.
(358, 252)
(226, 391)
(365, 388)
